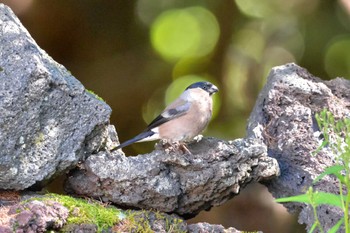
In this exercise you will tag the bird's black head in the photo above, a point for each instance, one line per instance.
(207, 86)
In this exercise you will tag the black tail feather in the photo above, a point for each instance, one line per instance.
(139, 137)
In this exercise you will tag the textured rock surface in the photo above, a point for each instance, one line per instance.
(37, 216)
(206, 227)
(48, 120)
(171, 181)
(284, 118)
(148, 221)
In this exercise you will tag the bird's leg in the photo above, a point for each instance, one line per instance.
(184, 149)
(174, 146)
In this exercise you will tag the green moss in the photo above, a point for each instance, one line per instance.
(1, 69)
(39, 139)
(88, 211)
(137, 224)
(139, 221)
(83, 211)
(94, 94)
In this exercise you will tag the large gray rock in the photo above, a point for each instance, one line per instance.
(284, 118)
(48, 121)
(170, 181)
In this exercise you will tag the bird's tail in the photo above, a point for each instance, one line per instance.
(138, 138)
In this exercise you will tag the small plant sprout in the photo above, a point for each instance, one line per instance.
(336, 137)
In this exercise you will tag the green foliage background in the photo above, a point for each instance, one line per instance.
(135, 53)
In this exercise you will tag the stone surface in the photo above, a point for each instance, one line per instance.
(38, 216)
(151, 221)
(81, 228)
(284, 119)
(170, 181)
(48, 120)
(206, 227)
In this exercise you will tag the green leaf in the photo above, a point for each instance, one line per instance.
(323, 198)
(320, 198)
(313, 227)
(303, 198)
(334, 170)
(330, 118)
(339, 127)
(324, 144)
(336, 227)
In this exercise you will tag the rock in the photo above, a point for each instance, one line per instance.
(38, 216)
(149, 221)
(206, 227)
(284, 119)
(172, 182)
(48, 120)
(5, 229)
(81, 228)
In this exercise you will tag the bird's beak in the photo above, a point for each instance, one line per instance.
(213, 89)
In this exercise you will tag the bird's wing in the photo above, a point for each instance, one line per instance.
(138, 138)
(178, 108)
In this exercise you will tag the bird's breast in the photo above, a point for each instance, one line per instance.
(186, 127)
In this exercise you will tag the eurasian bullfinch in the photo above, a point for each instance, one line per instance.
(183, 119)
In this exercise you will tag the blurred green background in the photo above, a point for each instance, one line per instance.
(139, 55)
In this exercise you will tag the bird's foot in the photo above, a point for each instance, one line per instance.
(184, 149)
(174, 147)
(198, 138)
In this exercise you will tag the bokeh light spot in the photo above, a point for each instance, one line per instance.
(189, 32)
(250, 43)
(174, 34)
(337, 59)
(256, 8)
(147, 10)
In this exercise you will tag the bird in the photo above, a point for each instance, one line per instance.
(183, 119)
